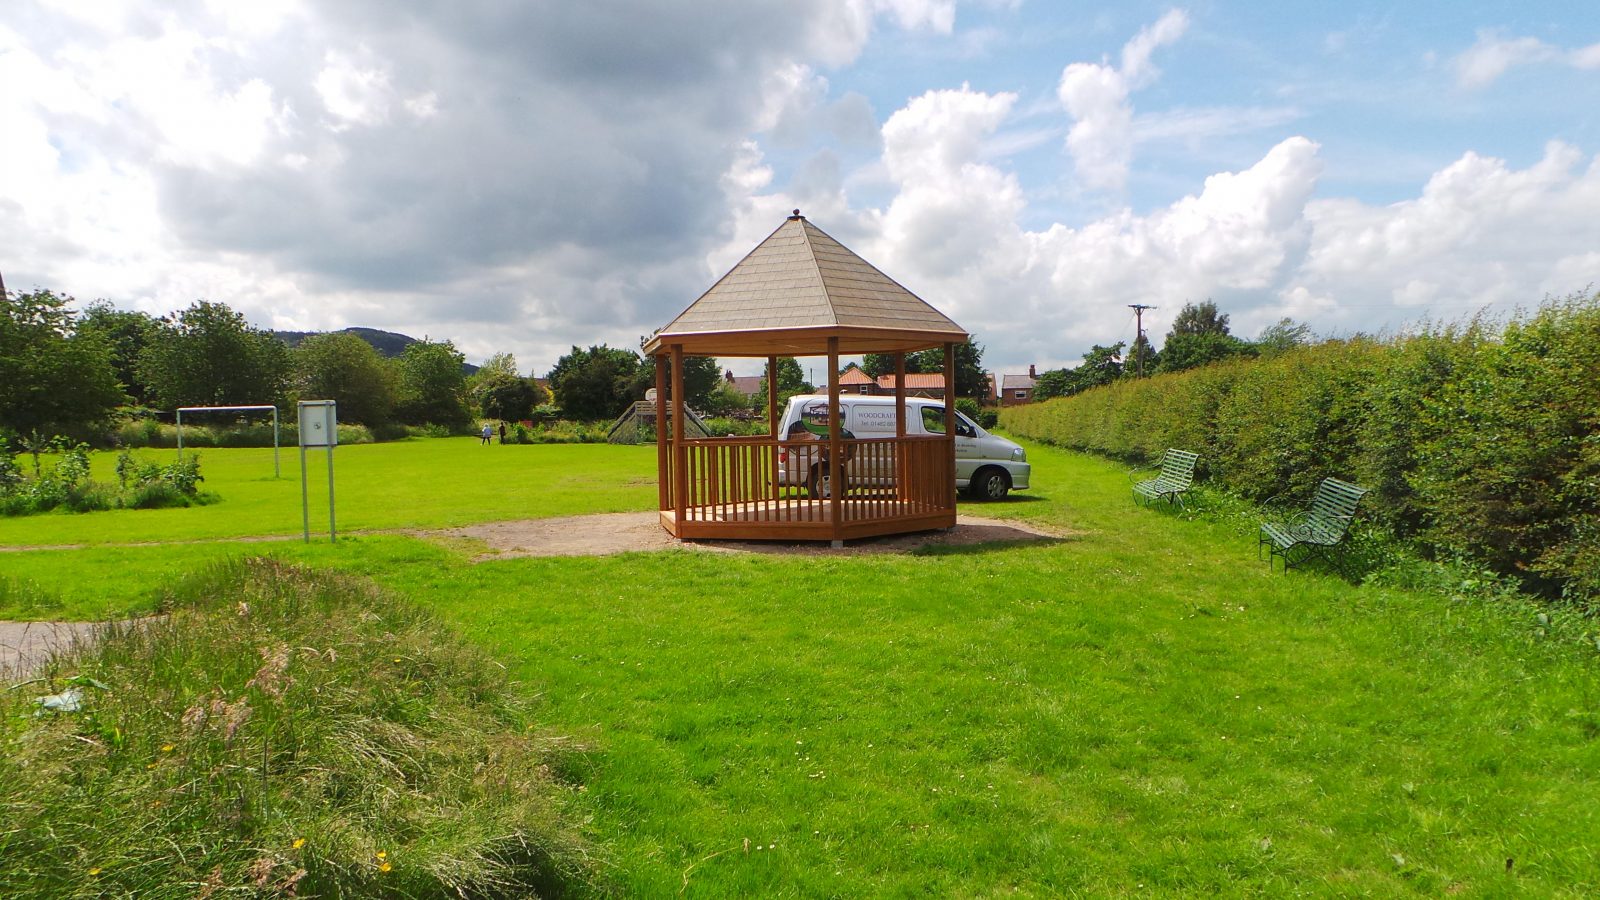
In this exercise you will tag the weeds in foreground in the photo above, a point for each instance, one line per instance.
(280, 732)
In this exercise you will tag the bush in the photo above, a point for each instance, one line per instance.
(1479, 442)
(67, 485)
(723, 426)
(282, 732)
(986, 418)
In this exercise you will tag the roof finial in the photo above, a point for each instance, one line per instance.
(796, 216)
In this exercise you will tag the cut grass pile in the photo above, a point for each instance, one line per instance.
(282, 732)
(422, 483)
(1139, 709)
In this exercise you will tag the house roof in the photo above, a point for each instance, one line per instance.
(749, 385)
(793, 292)
(915, 381)
(1016, 382)
(854, 376)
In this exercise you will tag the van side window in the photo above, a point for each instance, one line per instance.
(933, 422)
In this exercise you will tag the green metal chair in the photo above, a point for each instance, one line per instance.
(1177, 473)
(1319, 532)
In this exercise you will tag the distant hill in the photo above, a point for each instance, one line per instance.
(388, 343)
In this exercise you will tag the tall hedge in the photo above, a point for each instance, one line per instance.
(1478, 439)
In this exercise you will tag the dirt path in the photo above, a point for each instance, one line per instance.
(602, 535)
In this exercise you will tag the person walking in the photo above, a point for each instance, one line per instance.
(487, 431)
(502, 434)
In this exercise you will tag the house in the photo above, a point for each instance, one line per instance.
(918, 384)
(748, 385)
(1016, 390)
(855, 381)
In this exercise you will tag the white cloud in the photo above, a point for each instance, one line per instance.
(1480, 233)
(1195, 124)
(355, 94)
(1258, 241)
(950, 207)
(1494, 54)
(1096, 96)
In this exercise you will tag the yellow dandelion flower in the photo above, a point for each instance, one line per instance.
(298, 843)
(95, 871)
(382, 855)
(168, 748)
(384, 867)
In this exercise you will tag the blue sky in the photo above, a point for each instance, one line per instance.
(525, 177)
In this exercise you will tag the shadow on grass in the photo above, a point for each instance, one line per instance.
(993, 546)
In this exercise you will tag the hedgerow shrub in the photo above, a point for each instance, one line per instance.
(147, 433)
(1479, 441)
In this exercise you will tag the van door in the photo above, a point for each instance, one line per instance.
(872, 465)
(966, 439)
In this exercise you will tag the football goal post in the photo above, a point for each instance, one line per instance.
(277, 472)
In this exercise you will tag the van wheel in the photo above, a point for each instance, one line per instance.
(818, 486)
(990, 484)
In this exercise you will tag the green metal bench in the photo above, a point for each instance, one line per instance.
(1177, 473)
(1317, 533)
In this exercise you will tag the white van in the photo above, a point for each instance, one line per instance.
(987, 467)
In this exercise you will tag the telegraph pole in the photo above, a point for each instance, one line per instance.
(1138, 341)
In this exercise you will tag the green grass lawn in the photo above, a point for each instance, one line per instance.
(1142, 708)
(406, 484)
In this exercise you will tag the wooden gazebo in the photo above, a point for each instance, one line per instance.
(802, 293)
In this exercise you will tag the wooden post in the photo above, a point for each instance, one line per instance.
(835, 446)
(902, 459)
(663, 459)
(900, 395)
(680, 453)
(950, 417)
(772, 426)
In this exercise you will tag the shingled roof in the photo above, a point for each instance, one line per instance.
(795, 290)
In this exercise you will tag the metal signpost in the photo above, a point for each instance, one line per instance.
(319, 427)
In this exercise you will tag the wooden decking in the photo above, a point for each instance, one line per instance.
(782, 521)
(760, 489)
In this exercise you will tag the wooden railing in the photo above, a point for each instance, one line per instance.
(759, 480)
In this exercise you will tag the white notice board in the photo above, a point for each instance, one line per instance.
(319, 423)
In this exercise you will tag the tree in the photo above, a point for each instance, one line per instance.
(509, 399)
(208, 355)
(702, 375)
(1199, 336)
(597, 383)
(971, 380)
(433, 387)
(1141, 358)
(726, 400)
(342, 367)
(1283, 336)
(502, 393)
(1199, 318)
(126, 333)
(1101, 365)
(51, 377)
(500, 365)
(791, 381)
(1188, 351)
(880, 364)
